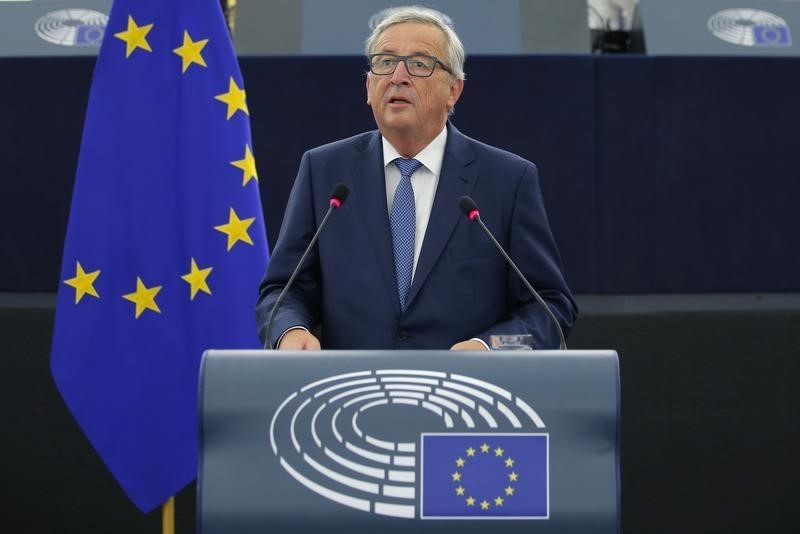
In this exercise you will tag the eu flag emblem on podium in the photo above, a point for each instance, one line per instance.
(488, 476)
(165, 244)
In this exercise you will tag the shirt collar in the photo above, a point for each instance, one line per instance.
(431, 156)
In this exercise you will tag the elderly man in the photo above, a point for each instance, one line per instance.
(399, 266)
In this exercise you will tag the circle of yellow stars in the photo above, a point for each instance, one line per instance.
(190, 51)
(143, 297)
(472, 453)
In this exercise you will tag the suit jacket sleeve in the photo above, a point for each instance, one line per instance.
(302, 303)
(531, 244)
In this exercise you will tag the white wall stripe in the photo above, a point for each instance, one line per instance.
(362, 398)
(369, 455)
(487, 417)
(482, 383)
(272, 423)
(354, 466)
(412, 372)
(401, 492)
(515, 422)
(294, 420)
(530, 413)
(352, 502)
(388, 445)
(344, 385)
(333, 379)
(368, 487)
(488, 399)
(395, 510)
(456, 397)
(314, 425)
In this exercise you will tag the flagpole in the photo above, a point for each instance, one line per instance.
(168, 516)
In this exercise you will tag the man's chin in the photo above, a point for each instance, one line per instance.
(398, 121)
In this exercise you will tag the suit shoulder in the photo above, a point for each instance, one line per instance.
(497, 156)
(341, 146)
(499, 172)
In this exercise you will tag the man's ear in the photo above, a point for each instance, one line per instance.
(455, 92)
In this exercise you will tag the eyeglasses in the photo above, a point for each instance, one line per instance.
(419, 65)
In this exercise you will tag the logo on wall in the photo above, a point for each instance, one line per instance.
(416, 444)
(72, 27)
(750, 27)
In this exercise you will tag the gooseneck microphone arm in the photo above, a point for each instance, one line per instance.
(337, 198)
(470, 209)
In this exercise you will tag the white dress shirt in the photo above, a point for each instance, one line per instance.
(424, 182)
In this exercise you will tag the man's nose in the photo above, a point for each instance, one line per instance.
(400, 74)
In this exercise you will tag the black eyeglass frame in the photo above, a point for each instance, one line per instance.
(405, 60)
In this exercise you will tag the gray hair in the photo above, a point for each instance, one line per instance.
(398, 15)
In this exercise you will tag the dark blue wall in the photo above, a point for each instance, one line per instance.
(660, 174)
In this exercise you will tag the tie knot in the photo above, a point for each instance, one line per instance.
(407, 166)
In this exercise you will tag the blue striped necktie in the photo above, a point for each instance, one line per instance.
(404, 222)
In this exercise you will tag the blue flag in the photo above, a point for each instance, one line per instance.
(165, 245)
(771, 35)
(488, 476)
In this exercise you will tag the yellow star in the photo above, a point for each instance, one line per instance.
(456, 476)
(470, 452)
(143, 297)
(470, 501)
(235, 98)
(460, 462)
(190, 51)
(498, 451)
(196, 278)
(484, 504)
(509, 491)
(83, 283)
(236, 229)
(248, 166)
(512, 476)
(509, 462)
(485, 448)
(135, 37)
(498, 501)
(460, 490)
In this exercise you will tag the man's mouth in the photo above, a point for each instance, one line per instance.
(398, 100)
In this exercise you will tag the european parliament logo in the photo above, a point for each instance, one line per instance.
(413, 443)
(72, 27)
(750, 27)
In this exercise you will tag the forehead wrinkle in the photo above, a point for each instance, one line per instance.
(387, 43)
(417, 51)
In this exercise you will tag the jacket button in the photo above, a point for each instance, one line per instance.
(401, 335)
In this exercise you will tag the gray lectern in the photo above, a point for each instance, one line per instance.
(409, 441)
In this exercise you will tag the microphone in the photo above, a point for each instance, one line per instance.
(337, 197)
(470, 209)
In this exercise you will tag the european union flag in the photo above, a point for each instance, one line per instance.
(772, 35)
(165, 244)
(488, 476)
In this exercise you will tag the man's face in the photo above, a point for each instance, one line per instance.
(407, 108)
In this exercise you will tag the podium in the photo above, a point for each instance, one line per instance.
(409, 441)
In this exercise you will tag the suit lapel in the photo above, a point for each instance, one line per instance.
(456, 179)
(371, 190)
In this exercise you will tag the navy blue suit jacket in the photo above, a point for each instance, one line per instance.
(462, 286)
